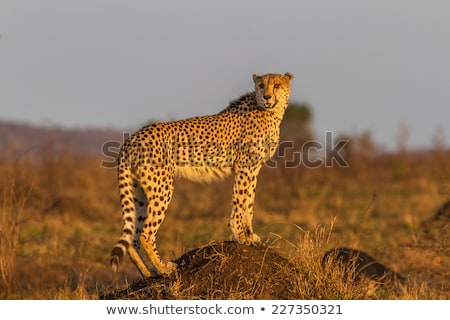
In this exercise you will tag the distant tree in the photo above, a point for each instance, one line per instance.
(295, 131)
(296, 125)
(300, 112)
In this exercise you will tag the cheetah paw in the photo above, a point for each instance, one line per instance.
(250, 240)
(166, 269)
(171, 266)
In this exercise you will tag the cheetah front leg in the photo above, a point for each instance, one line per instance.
(242, 206)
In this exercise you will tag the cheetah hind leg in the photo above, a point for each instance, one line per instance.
(136, 259)
(159, 267)
(133, 250)
(158, 202)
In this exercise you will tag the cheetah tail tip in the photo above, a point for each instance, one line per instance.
(114, 262)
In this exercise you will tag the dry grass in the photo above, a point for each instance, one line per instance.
(60, 217)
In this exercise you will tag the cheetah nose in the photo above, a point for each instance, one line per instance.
(267, 97)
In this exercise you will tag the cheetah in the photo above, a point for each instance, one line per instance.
(239, 140)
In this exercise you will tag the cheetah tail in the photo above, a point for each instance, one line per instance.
(117, 253)
(128, 228)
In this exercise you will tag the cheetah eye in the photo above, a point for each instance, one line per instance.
(276, 85)
(261, 86)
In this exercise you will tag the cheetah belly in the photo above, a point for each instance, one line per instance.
(202, 173)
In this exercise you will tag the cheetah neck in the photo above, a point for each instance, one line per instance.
(247, 100)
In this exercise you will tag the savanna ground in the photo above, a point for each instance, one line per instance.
(60, 217)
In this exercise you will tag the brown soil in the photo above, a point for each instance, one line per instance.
(220, 271)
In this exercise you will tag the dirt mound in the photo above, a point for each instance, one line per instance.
(358, 264)
(443, 213)
(229, 270)
(220, 271)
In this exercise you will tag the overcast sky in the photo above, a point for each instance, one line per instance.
(361, 65)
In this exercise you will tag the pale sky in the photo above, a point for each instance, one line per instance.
(361, 65)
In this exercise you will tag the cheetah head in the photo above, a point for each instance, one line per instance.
(272, 90)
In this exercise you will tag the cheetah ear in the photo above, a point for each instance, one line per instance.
(256, 77)
(288, 76)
